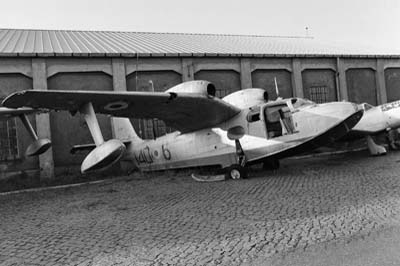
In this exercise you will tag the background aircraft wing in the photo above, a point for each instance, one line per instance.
(6, 113)
(183, 111)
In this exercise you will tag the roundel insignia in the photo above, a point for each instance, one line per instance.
(116, 106)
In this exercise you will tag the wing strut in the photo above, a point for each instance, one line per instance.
(91, 121)
(241, 157)
(238, 170)
(105, 153)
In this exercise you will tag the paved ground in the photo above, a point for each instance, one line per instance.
(380, 248)
(307, 208)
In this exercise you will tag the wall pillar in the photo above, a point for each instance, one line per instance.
(39, 77)
(119, 74)
(341, 71)
(381, 94)
(187, 69)
(297, 80)
(245, 73)
(119, 84)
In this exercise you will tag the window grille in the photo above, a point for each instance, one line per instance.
(161, 129)
(318, 94)
(154, 126)
(8, 140)
(221, 93)
(159, 126)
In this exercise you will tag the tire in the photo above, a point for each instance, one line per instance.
(271, 164)
(236, 172)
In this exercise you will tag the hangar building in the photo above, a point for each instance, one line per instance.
(130, 61)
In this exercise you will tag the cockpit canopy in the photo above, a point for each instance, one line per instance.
(288, 104)
(277, 115)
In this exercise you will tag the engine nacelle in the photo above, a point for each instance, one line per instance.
(103, 156)
(197, 86)
(247, 98)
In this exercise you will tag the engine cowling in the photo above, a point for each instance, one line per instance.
(247, 98)
(197, 86)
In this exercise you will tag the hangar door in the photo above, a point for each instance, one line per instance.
(14, 139)
(264, 79)
(225, 81)
(68, 130)
(392, 80)
(319, 85)
(361, 85)
(152, 81)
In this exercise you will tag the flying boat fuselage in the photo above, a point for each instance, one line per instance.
(272, 129)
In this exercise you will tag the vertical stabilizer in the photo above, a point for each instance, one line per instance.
(123, 129)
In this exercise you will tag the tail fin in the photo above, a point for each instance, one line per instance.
(123, 129)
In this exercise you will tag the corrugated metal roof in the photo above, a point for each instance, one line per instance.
(19, 42)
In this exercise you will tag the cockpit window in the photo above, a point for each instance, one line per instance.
(254, 114)
(273, 121)
(278, 120)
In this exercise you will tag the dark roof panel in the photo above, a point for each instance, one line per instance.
(88, 43)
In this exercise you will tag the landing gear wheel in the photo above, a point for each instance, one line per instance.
(236, 172)
(272, 164)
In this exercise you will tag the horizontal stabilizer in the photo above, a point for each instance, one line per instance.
(82, 147)
(89, 147)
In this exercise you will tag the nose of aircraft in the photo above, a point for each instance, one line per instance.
(338, 110)
(337, 118)
(329, 122)
(343, 115)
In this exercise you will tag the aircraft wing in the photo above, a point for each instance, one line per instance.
(6, 113)
(185, 112)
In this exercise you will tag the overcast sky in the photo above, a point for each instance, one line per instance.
(373, 23)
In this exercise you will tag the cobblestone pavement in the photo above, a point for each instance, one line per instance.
(169, 219)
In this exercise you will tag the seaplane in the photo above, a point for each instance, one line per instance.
(232, 133)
